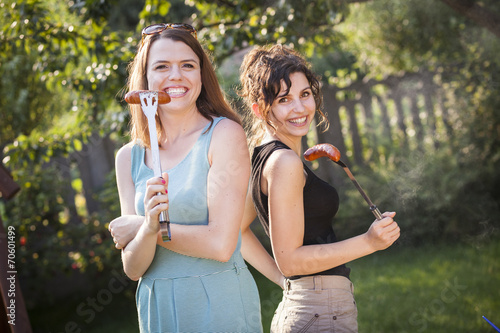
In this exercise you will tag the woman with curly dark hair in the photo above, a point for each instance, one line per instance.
(296, 207)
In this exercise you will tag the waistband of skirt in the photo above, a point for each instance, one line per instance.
(235, 268)
(172, 265)
(319, 282)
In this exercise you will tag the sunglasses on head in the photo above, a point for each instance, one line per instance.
(159, 27)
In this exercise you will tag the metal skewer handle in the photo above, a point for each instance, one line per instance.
(149, 104)
(330, 151)
(376, 212)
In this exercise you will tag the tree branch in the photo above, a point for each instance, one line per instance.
(470, 9)
(477, 13)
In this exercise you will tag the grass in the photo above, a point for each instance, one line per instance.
(436, 288)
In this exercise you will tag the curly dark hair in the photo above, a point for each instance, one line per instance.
(261, 73)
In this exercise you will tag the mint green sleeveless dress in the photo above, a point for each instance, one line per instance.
(180, 293)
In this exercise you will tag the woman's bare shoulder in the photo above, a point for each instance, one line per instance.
(283, 162)
(123, 155)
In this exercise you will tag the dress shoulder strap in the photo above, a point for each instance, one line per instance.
(137, 159)
(206, 136)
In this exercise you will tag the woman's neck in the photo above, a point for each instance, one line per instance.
(293, 142)
(177, 126)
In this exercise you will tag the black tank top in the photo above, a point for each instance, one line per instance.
(321, 203)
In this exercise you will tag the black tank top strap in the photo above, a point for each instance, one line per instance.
(259, 158)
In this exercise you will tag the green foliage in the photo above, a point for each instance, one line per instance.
(228, 26)
(403, 35)
(63, 66)
(51, 60)
(54, 240)
(20, 113)
(60, 72)
(445, 198)
(437, 197)
(449, 190)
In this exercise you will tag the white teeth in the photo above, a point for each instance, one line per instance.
(298, 120)
(176, 91)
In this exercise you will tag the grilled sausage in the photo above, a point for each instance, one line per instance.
(322, 150)
(133, 97)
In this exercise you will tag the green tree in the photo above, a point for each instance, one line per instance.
(60, 71)
(63, 67)
(445, 183)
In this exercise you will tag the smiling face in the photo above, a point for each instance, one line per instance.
(292, 112)
(173, 67)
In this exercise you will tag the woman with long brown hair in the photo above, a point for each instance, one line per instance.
(198, 281)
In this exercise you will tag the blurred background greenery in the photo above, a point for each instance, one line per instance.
(411, 92)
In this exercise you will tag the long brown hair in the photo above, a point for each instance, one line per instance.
(210, 103)
(261, 73)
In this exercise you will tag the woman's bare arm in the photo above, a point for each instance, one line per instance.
(285, 180)
(252, 249)
(227, 185)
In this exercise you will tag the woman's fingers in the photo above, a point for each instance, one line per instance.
(384, 232)
(157, 200)
(156, 185)
(156, 197)
(390, 231)
(389, 214)
(117, 244)
(165, 178)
